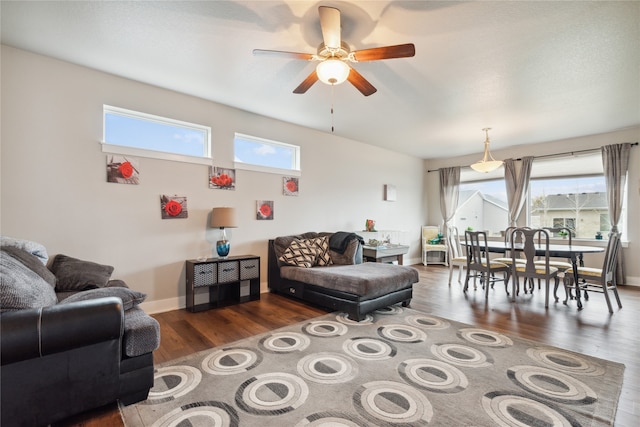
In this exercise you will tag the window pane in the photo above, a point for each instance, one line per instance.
(577, 203)
(147, 132)
(265, 153)
(482, 206)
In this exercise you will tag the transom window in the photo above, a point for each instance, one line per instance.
(264, 155)
(141, 134)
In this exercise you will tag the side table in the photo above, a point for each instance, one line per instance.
(229, 281)
(385, 253)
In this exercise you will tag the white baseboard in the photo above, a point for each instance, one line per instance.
(633, 281)
(160, 306)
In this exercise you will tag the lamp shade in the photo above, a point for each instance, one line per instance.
(333, 71)
(486, 166)
(223, 218)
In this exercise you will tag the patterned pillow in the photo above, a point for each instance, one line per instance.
(300, 254)
(322, 244)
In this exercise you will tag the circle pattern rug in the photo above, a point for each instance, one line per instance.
(399, 367)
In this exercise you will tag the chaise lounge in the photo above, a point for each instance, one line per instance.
(326, 269)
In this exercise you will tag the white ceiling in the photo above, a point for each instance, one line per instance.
(533, 71)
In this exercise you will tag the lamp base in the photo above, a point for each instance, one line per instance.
(223, 247)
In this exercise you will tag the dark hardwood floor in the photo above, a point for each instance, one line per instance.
(592, 331)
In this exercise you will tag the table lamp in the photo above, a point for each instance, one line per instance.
(223, 218)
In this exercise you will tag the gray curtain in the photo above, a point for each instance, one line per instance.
(449, 189)
(517, 186)
(615, 161)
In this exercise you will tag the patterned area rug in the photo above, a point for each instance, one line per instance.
(399, 367)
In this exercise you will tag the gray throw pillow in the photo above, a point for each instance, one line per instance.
(130, 298)
(21, 287)
(77, 275)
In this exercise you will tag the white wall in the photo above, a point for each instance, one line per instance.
(54, 189)
(631, 249)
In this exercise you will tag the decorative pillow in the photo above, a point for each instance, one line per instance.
(130, 298)
(21, 287)
(78, 275)
(322, 244)
(300, 254)
(34, 248)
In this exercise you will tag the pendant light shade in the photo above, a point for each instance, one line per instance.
(488, 163)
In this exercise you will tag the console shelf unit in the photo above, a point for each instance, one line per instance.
(231, 280)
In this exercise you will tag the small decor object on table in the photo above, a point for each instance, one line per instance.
(598, 235)
(173, 207)
(122, 170)
(370, 225)
(222, 178)
(264, 210)
(290, 186)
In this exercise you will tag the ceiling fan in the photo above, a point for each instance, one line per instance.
(334, 54)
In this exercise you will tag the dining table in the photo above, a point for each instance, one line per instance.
(574, 253)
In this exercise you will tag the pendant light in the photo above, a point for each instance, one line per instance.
(488, 163)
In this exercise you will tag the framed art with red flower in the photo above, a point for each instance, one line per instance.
(290, 186)
(264, 209)
(222, 178)
(122, 170)
(173, 207)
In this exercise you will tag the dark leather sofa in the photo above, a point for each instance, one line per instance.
(73, 351)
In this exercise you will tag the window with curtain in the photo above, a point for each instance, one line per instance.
(565, 191)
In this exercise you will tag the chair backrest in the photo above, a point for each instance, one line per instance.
(429, 232)
(518, 239)
(453, 243)
(611, 257)
(532, 237)
(476, 243)
(560, 229)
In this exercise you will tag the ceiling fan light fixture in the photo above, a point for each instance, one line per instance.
(332, 71)
(488, 163)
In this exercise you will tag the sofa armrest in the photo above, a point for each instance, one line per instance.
(38, 332)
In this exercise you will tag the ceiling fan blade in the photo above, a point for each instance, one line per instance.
(291, 55)
(330, 24)
(385, 52)
(307, 83)
(356, 79)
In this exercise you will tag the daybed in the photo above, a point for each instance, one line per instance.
(71, 340)
(326, 269)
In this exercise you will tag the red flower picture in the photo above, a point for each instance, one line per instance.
(264, 210)
(290, 186)
(173, 207)
(122, 170)
(222, 178)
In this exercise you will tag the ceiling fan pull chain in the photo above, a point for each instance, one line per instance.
(332, 108)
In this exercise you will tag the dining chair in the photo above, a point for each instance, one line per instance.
(457, 257)
(533, 268)
(600, 280)
(479, 263)
(562, 266)
(429, 233)
(507, 258)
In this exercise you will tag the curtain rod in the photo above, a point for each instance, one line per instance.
(544, 156)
